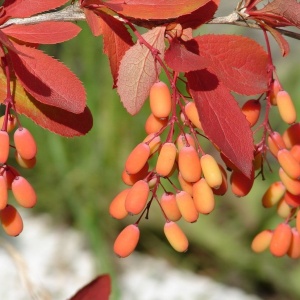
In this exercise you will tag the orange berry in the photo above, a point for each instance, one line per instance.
(203, 196)
(281, 240)
(251, 109)
(186, 206)
(288, 163)
(137, 158)
(240, 184)
(283, 209)
(222, 189)
(166, 159)
(117, 206)
(185, 185)
(3, 193)
(25, 163)
(292, 185)
(160, 100)
(286, 107)
(275, 88)
(9, 174)
(133, 178)
(154, 124)
(25, 143)
(292, 200)
(273, 194)
(11, 220)
(4, 149)
(176, 237)
(261, 241)
(127, 240)
(185, 140)
(294, 249)
(211, 171)
(189, 164)
(192, 113)
(291, 136)
(23, 192)
(170, 207)
(295, 151)
(137, 197)
(298, 221)
(11, 122)
(275, 142)
(153, 142)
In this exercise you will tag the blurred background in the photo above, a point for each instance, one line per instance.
(76, 179)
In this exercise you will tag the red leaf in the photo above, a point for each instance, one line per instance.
(48, 80)
(99, 288)
(27, 8)
(239, 62)
(43, 33)
(199, 16)
(180, 59)
(222, 120)
(93, 21)
(154, 9)
(138, 71)
(49, 117)
(117, 40)
(279, 13)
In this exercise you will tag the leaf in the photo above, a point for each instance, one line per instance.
(154, 9)
(27, 8)
(179, 59)
(138, 71)
(239, 62)
(51, 118)
(43, 33)
(93, 21)
(48, 80)
(199, 16)
(99, 288)
(280, 13)
(117, 40)
(222, 120)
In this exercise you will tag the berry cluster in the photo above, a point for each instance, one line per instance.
(10, 179)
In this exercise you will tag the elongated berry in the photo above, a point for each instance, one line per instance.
(211, 171)
(295, 151)
(137, 158)
(203, 196)
(11, 122)
(11, 220)
(275, 142)
(261, 241)
(154, 124)
(192, 113)
(3, 193)
(189, 164)
(23, 192)
(166, 159)
(294, 249)
(10, 173)
(291, 136)
(131, 179)
(275, 88)
(185, 185)
(286, 107)
(291, 200)
(25, 163)
(281, 240)
(127, 240)
(222, 189)
(25, 143)
(160, 100)
(298, 221)
(176, 237)
(251, 109)
(292, 185)
(4, 146)
(288, 163)
(186, 206)
(170, 207)
(153, 141)
(117, 206)
(240, 184)
(273, 194)
(137, 197)
(283, 209)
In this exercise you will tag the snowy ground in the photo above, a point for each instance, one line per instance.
(47, 262)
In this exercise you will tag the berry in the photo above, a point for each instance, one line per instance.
(117, 206)
(25, 163)
(286, 107)
(273, 194)
(4, 146)
(137, 158)
(25, 143)
(3, 193)
(11, 220)
(251, 109)
(166, 159)
(240, 184)
(288, 163)
(154, 124)
(211, 171)
(176, 237)
(261, 241)
(203, 196)
(186, 206)
(170, 207)
(281, 240)
(294, 249)
(192, 113)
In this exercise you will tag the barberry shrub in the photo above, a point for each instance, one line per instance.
(201, 141)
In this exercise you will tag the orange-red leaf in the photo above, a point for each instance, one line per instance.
(138, 72)
(27, 8)
(48, 80)
(222, 120)
(43, 33)
(93, 21)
